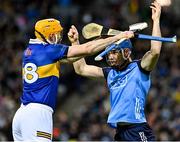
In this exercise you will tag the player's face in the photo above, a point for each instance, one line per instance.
(115, 58)
(55, 38)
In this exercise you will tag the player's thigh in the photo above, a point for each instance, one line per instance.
(16, 123)
(37, 125)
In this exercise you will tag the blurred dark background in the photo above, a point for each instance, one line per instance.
(83, 104)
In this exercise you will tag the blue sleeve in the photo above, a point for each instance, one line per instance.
(106, 71)
(57, 51)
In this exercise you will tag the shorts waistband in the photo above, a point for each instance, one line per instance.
(128, 125)
(36, 105)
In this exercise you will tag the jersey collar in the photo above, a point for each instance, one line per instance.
(36, 41)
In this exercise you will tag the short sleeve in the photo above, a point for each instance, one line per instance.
(141, 69)
(106, 71)
(57, 51)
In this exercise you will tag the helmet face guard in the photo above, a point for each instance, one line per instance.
(120, 48)
(44, 28)
(59, 37)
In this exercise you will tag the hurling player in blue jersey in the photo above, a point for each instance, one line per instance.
(128, 82)
(41, 72)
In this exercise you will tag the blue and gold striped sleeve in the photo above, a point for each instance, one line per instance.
(57, 52)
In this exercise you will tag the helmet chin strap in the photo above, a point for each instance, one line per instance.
(44, 39)
(50, 41)
(56, 41)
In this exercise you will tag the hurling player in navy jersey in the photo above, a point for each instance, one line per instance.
(41, 72)
(128, 82)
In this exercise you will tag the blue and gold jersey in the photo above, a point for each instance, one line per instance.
(41, 72)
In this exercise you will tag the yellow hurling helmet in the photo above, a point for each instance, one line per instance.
(45, 27)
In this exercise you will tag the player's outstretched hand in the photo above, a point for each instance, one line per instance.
(73, 35)
(156, 10)
(128, 34)
(125, 34)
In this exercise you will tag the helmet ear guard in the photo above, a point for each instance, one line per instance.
(45, 27)
(125, 58)
(126, 44)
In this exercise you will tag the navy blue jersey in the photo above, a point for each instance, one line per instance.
(128, 91)
(41, 72)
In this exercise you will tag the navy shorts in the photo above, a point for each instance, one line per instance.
(134, 132)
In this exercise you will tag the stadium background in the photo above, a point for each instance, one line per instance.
(83, 104)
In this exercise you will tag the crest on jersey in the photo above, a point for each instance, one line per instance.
(28, 52)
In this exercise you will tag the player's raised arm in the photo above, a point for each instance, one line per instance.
(151, 57)
(95, 46)
(73, 37)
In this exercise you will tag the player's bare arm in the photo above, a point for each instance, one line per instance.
(90, 71)
(80, 66)
(95, 46)
(150, 59)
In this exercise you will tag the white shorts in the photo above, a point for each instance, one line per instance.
(33, 122)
